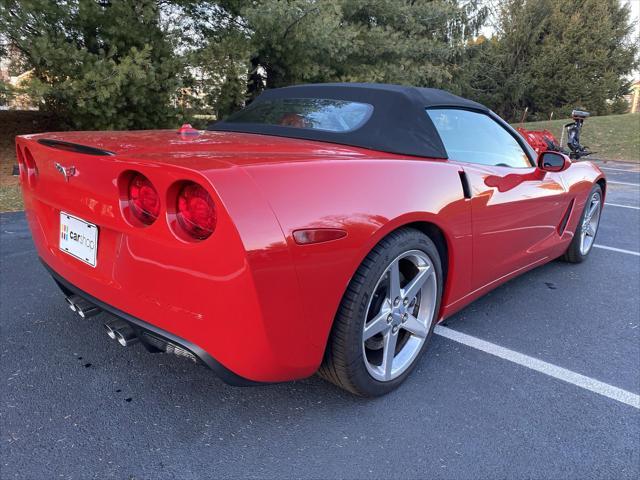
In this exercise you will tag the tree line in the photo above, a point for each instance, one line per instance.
(127, 64)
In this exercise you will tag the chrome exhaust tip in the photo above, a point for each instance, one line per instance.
(82, 307)
(86, 309)
(112, 327)
(126, 337)
(72, 300)
(121, 332)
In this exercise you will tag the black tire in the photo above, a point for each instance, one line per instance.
(573, 253)
(343, 362)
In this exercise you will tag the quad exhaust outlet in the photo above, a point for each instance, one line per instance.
(123, 333)
(116, 329)
(82, 307)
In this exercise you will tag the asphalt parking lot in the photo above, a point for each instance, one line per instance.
(75, 405)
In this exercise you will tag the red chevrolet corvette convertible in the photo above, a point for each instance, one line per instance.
(324, 228)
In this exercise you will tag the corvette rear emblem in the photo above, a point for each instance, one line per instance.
(66, 171)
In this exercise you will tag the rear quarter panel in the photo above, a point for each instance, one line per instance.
(368, 198)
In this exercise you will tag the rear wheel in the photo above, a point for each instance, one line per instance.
(386, 316)
(585, 234)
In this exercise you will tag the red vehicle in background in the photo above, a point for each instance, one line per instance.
(324, 228)
(542, 140)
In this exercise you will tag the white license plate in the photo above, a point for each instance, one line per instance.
(79, 238)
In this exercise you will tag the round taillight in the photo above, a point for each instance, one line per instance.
(144, 201)
(195, 211)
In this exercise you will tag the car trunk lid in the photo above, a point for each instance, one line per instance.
(197, 150)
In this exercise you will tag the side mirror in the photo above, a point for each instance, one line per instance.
(550, 161)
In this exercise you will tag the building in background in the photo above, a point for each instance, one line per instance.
(10, 96)
(634, 97)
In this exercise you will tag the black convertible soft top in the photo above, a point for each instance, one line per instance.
(398, 123)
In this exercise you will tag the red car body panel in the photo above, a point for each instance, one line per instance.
(249, 295)
(538, 139)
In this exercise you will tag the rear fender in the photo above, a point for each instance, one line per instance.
(367, 199)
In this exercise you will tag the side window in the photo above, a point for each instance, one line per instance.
(477, 138)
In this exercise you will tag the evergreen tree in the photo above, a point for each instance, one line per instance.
(584, 58)
(552, 56)
(98, 64)
(127, 63)
(414, 42)
(411, 42)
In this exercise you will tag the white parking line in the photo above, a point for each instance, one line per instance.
(619, 250)
(621, 206)
(554, 371)
(619, 170)
(624, 183)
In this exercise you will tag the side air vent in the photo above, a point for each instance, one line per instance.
(565, 218)
(466, 189)
(74, 147)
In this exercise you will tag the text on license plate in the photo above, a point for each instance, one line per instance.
(79, 238)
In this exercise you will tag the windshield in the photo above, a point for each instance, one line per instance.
(309, 113)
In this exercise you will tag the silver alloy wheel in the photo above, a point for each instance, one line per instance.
(397, 324)
(590, 223)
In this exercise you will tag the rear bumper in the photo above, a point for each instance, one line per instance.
(140, 326)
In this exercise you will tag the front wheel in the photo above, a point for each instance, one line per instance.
(386, 316)
(587, 229)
